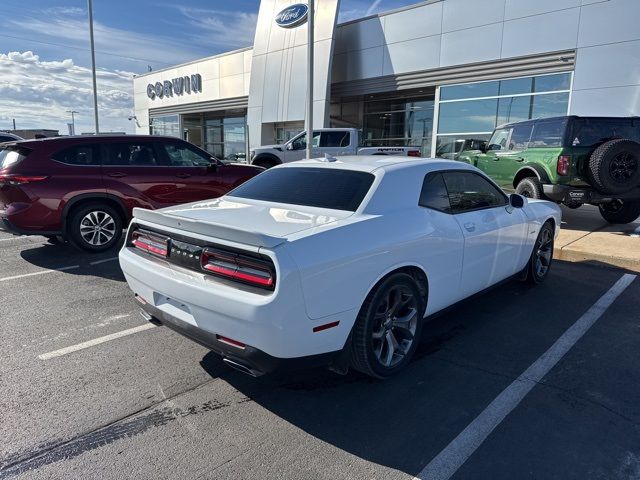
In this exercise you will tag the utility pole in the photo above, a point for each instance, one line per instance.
(14, 123)
(93, 64)
(310, 79)
(73, 121)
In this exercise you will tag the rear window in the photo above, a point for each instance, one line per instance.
(11, 156)
(548, 133)
(311, 187)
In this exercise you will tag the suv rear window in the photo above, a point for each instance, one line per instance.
(308, 186)
(10, 156)
(548, 133)
(84, 155)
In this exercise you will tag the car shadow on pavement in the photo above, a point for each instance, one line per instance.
(466, 357)
(61, 256)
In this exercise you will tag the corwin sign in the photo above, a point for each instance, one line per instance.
(293, 15)
(177, 86)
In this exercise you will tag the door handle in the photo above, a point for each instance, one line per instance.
(519, 159)
(116, 174)
(470, 226)
(183, 175)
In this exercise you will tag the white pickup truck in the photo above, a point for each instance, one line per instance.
(331, 141)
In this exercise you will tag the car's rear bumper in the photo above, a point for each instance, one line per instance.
(275, 323)
(569, 194)
(247, 359)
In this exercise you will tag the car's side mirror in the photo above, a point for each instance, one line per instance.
(289, 146)
(516, 201)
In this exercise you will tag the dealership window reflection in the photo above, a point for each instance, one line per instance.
(168, 125)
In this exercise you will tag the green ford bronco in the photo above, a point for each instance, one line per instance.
(570, 160)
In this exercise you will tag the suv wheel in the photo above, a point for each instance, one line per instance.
(388, 327)
(529, 187)
(614, 167)
(266, 161)
(95, 227)
(618, 211)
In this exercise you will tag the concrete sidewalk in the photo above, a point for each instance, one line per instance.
(586, 237)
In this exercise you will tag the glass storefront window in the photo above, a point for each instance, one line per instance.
(451, 146)
(168, 125)
(470, 112)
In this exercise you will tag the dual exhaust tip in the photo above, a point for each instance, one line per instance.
(242, 368)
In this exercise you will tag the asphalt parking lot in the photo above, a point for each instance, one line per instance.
(477, 402)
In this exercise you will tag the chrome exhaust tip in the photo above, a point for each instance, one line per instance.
(242, 368)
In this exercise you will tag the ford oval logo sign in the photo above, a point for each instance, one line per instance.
(292, 16)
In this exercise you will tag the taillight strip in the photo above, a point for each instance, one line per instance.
(237, 267)
(155, 245)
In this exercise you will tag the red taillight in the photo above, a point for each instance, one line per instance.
(150, 243)
(238, 267)
(16, 179)
(564, 164)
(413, 153)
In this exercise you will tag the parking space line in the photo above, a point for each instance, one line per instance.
(41, 272)
(12, 238)
(104, 260)
(95, 341)
(454, 455)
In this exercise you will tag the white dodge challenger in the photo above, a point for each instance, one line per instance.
(333, 261)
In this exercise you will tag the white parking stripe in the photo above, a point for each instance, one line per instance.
(41, 272)
(95, 341)
(104, 260)
(449, 460)
(12, 238)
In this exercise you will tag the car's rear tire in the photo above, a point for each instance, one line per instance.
(541, 256)
(619, 211)
(387, 330)
(614, 167)
(530, 187)
(94, 227)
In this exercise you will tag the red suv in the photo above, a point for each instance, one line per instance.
(84, 188)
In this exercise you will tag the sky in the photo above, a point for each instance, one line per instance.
(45, 62)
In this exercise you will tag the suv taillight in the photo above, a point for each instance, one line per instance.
(150, 243)
(17, 179)
(413, 153)
(240, 268)
(564, 165)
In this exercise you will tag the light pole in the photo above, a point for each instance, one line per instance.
(73, 120)
(93, 64)
(310, 78)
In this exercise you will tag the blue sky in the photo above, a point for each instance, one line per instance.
(44, 56)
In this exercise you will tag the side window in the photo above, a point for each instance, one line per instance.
(548, 133)
(79, 155)
(182, 155)
(520, 137)
(434, 193)
(499, 139)
(300, 143)
(334, 139)
(135, 154)
(470, 191)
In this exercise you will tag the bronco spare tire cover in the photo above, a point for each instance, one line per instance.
(614, 167)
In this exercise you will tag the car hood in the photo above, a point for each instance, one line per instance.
(245, 221)
(269, 147)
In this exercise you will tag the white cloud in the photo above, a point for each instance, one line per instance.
(37, 94)
(226, 28)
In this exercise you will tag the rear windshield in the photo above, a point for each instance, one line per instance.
(311, 187)
(11, 156)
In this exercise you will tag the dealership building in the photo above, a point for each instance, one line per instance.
(427, 75)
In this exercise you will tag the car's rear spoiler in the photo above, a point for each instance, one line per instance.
(209, 229)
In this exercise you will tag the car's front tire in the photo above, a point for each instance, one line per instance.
(387, 330)
(95, 227)
(542, 255)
